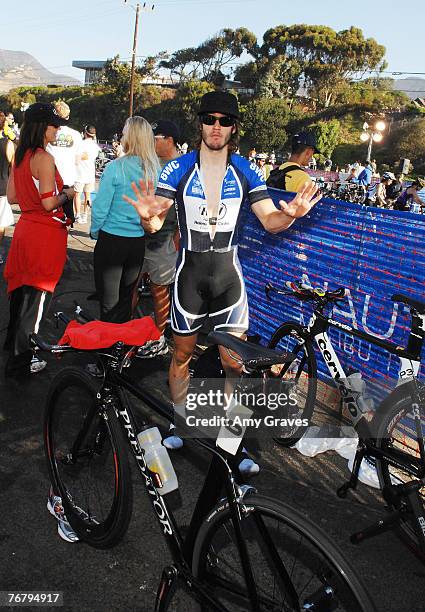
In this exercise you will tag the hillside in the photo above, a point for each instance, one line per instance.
(414, 88)
(18, 69)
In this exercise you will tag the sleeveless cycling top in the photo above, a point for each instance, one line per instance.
(181, 181)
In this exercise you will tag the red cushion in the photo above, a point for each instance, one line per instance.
(99, 334)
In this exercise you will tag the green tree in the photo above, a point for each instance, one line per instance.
(407, 141)
(327, 134)
(116, 76)
(264, 122)
(182, 108)
(279, 78)
(320, 58)
(210, 58)
(377, 94)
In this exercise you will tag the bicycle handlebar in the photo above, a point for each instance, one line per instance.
(44, 346)
(305, 292)
(50, 348)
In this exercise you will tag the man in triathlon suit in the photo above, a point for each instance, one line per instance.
(208, 187)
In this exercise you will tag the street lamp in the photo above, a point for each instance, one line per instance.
(372, 134)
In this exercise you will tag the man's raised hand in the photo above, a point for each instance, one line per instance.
(145, 203)
(303, 201)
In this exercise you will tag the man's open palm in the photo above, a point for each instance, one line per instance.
(303, 201)
(145, 203)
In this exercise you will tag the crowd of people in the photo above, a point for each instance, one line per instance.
(385, 191)
(49, 170)
(159, 211)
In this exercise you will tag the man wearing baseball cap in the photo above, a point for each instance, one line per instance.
(290, 175)
(160, 249)
(208, 187)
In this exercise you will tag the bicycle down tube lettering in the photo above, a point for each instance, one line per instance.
(157, 503)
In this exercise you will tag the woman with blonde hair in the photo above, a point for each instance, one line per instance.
(119, 251)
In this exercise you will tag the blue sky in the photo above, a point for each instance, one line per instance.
(98, 29)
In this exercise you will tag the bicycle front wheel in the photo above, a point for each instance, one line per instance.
(294, 565)
(398, 432)
(87, 463)
(299, 377)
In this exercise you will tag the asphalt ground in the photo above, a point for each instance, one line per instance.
(34, 558)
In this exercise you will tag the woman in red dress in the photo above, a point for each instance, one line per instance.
(38, 251)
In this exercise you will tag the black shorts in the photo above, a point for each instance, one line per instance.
(209, 285)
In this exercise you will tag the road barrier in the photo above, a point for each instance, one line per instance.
(372, 252)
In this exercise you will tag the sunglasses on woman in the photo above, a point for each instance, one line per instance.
(225, 121)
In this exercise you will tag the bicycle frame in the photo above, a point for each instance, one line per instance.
(410, 359)
(220, 473)
(409, 368)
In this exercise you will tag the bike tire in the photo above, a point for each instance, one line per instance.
(291, 337)
(94, 483)
(392, 430)
(321, 564)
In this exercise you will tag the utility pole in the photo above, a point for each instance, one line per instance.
(133, 55)
(133, 60)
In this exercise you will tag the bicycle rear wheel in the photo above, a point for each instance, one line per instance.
(299, 377)
(87, 464)
(395, 430)
(295, 566)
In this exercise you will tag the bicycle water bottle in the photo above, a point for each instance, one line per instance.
(358, 386)
(157, 459)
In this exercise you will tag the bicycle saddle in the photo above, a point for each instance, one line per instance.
(405, 299)
(253, 356)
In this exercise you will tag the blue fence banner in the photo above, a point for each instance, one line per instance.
(372, 252)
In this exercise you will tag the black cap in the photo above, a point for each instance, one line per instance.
(163, 127)
(305, 138)
(90, 130)
(219, 102)
(44, 113)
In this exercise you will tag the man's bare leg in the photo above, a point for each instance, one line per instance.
(233, 369)
(179, 378)
(179, 369)
(161, 305)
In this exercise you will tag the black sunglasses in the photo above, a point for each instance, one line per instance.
(225, 121)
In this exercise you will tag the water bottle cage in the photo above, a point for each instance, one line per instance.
(357, 398)
(156, 478)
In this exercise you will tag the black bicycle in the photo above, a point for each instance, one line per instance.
(242, 551)
(395, 438)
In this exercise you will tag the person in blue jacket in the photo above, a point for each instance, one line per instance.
(119, 251)
(365, 176)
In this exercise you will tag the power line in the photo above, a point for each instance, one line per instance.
(62, 19)
(46, 24)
